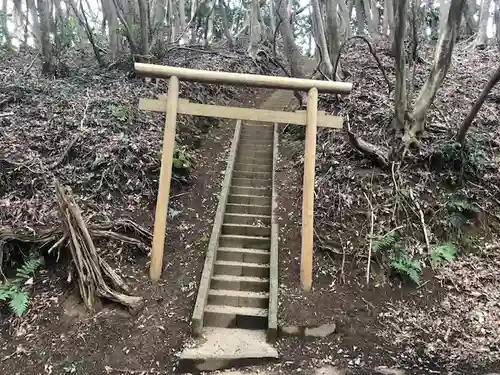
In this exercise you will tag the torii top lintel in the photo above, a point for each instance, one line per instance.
(241, 79)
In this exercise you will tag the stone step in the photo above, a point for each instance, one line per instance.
(251, 182)
(253, 167)
(245, 174)
(264, 141)
(259, 135)
(244, 283)
(249, 199)
(235, 317)
(245, 242)
(224, 267)
(247, 219)
(260, 161)
(249, 153)
(250, 190)
(246, 230)
(238, 298)
(235, 208)
(235, 254)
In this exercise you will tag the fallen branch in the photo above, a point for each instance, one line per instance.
(6, 114)
(371, 239)
(422, 219)
(375, 153)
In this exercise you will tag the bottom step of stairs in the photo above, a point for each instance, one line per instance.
(226, 348)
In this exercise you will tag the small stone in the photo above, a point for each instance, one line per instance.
(321, 331)
(388, 371)
(290, 330)
(328, 370)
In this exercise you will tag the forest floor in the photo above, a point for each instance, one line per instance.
(448, 323)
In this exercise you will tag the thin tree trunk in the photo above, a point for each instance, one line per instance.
(444, 7)
(400, 98)
(35, 22)
(292, 51)
(482, 37)
(128, 31)
(4, 26)
(462, 132)
(321, 39)
(45, 43)
(112, 28)
(497, 22)
(144, 25)
(345, 19)
(360, 18)
(225, 24)
(255, 30)
(272, 17)
(469, 11)
(370, 23)
(440, 65)
(333, 35)
(182, 21)
(388, 22)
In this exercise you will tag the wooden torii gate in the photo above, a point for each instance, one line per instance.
(172, 105)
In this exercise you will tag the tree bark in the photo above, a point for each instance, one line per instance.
(469, 12)
(360, 18)
(225, 24)
(371, 22)
(477, 106)
(255, 30)
(35, 20)
(345, 19)
(444, 7)
(482, 37)
(400, 97)
(182, 21)
(144, 25)
(292, 51)
(333, 35)
(4, 25)
(388, 21)
(321, 39)
(45, 43)
(497, 22)
(440, 65)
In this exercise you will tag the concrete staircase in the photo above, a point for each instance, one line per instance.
(236, 308)
(239, 287)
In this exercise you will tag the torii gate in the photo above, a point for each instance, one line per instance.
(172, 105)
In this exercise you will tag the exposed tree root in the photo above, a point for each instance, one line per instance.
(372, 152)
(94, 273)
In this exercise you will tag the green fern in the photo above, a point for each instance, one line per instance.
(407, 267)
(443, 254)
(19, 302)
(387, 242)
(15, 291)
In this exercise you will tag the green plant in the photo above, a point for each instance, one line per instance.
(386, 242)
(469, 159)
(404, 266)
(119, 112)
(182, 161)
(460, 212)
(443, 253)
(15, 291)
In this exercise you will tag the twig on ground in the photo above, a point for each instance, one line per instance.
(342, 266)
(6, 114)
(371, 239)
(422, 219)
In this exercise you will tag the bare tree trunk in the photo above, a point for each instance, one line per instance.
(320, 37)
(497, 22)
(444, 6)
(45, 43)
(469, 11)
(400, 98)
(225, 24)
(462, 132)
(255, 30)
(370, 17)
(292, 51)
(4, 25)
(35, 21)
(482, 37)
(360, 18)
(182, 21)
(345, 19)
(333, 35)
(144, 25)
(388, 21)
(272, 17)
(209, 29)
(128, 31)
(440, 65)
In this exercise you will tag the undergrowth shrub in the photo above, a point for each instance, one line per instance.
(460, 213)
(469, 160)
(15, 291)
